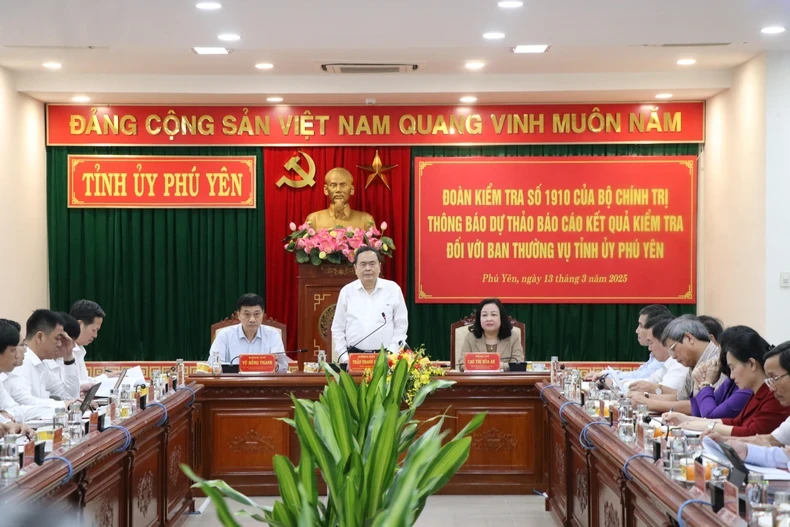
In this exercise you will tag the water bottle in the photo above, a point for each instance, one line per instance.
(76, 429)
(181, 373)
(555, 370)
(156, 391)
(756, 489)
(214, 363)
(625, 422)
(677, 452)
(125, 410)
(9, 459)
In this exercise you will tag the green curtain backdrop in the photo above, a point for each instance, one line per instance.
(162, 275)
(582, 332)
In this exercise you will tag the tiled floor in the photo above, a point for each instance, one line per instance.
(441, 511)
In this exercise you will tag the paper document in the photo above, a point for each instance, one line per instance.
(134, 376)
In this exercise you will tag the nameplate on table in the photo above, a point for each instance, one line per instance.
(359, 362)
(266, 363)
(481, 362)
(94, 422)
(57, 439)
(730, 512)
(30, 454)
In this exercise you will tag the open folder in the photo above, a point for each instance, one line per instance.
(713, 450)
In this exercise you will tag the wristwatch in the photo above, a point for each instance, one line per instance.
(705, 385)
(711, 426)
(658, 390)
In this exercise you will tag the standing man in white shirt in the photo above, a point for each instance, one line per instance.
(250, 337)
(90, 316)
(32, 383)
(370, 312)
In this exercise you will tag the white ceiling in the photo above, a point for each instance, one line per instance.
(602, 50)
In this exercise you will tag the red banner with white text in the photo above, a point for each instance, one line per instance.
(161, 182)
(555, 230)
(671, 122)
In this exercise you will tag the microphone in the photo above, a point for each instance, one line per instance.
(405, 345)
(363, 338)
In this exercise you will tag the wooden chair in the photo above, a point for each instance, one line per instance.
(234, 319)
(458, 331)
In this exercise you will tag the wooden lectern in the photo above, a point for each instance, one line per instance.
(319, 287)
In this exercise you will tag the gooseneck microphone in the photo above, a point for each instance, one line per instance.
(383, 316)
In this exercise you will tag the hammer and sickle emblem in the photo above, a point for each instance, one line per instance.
(308, 178)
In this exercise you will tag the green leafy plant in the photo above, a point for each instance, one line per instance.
(354, 435)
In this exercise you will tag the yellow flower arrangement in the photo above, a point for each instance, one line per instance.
(421, 370)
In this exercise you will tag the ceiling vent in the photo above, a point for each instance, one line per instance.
(340, 67)
(63, 48)
(684, 45)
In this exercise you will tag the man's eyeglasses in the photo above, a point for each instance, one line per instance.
(771, 381)
(368, 265)
(672, 348)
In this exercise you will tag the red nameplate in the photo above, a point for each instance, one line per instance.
(57, 439)
(266, 363)
(359, 362)
(729, 513)
(481, 362)
(30, 454)
(94, 422)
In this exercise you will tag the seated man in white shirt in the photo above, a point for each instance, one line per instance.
(32, 383)
(12, 415)
(370, 311)
(671, 376)
(250, 336)
(66, 348)
(647, 313)
(90, 317)
(766, 450)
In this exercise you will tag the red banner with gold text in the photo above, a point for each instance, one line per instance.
(555, 230)
(672, 122)
(161, 182)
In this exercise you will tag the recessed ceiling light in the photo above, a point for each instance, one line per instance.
(208, 6)
(211, 51)
(664, 96)
(686, 62)
(474, 65)
(468, 99)
(772, 30)
(510, 4)
(80, 98)
(493, 35)
(52, 65)
(531, 48)
(274, 99)
(229, 37)
(264, 66)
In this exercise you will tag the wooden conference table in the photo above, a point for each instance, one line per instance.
(239, 431)
(587, 487)
(140, 486)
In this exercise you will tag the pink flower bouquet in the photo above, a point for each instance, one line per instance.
(336, 245)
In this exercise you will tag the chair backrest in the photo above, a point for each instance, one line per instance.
(459, 330)
(234, 319)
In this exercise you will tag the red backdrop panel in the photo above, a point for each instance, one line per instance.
(555, 230)
(285, 204)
